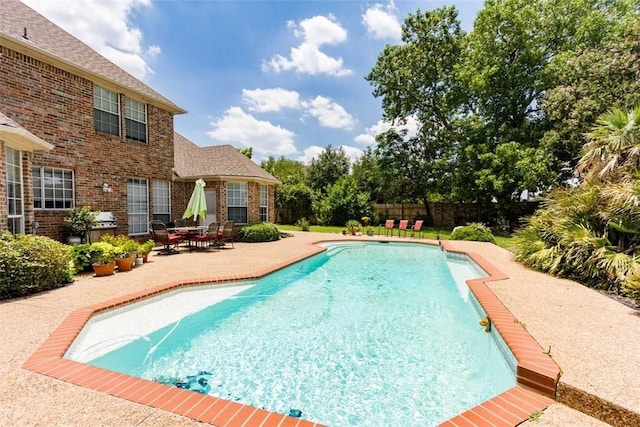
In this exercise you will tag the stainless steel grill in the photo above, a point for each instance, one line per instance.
(105, 221)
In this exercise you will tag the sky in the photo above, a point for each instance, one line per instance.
(285, 77)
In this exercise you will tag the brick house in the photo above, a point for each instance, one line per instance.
(98, 136)
(239, 189)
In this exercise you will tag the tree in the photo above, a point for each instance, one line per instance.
(247, 151)
(341, 202)
(613, 148)
(293, 198)
(418, 78)
(374, 178)
(331, 165)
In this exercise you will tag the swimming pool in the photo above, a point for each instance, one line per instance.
(375, 334)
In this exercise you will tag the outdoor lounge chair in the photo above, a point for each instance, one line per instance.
(161, 236)
(388, 227)
(402, 227)
(227, 234)
(209, 238)
(417, 228)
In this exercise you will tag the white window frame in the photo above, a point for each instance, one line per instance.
(237, 197)
(60, 192)
(135, 111)
(15, 190)
(264, 203)
(161, 191)
(138, 206)
(107, 102)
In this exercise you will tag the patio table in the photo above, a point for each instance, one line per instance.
(188, 232)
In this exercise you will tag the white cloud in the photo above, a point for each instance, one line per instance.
(307, 58)
(369, 137)
(237, 127)
(105, 27)
(329, 113)
(267, 100)
(310, 153)
(382, 21)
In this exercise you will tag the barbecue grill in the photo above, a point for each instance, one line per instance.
(105, 224)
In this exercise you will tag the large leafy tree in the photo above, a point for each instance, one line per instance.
(417, 78)
(325, 170)
(293, 198)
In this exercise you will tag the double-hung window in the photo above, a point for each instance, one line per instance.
(161, 200)
(135, 114)
(52, 188)
(15, 196)
(138, 206)
(237, 202)
(264, 203)
(106, 111)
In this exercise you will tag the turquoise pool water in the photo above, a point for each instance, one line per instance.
(361, 335)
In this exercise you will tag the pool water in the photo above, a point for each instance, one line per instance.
(359, 335)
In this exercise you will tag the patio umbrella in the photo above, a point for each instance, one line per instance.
(197, 204)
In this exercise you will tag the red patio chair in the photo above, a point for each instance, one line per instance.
(209, 238)
(402, 227)
(417, 228)
(388, 227)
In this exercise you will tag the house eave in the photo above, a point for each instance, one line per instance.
(23, 140)
(228, 178)
(30, 50)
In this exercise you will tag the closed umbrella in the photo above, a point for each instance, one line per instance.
(198, 203)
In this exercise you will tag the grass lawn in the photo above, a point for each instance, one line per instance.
(427, 233)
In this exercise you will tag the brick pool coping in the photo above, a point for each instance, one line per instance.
(537, 374)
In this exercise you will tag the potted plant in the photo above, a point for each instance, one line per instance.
(80, 221)
(103, 256)
(125, 248)
(366, 220)
(353, 226)
(144, 249)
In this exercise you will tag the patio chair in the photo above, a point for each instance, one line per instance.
(388, 227)
(227, 234)
(209, 238)
(402, 227)
(160, 235)
(417, 228)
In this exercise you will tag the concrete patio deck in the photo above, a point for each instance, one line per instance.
(591, 337)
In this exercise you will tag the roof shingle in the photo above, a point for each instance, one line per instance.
(43, 37)
(217, 161)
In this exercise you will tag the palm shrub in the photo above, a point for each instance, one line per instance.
(30, 264)
(259, 232)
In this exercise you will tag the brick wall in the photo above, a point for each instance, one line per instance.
(57, 106)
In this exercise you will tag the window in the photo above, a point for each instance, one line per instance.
(135, 114)
(237, 202)
(52, 188)
(264, 203)
(161, 201)
(106, 111)
(138, 206)
(15, 211)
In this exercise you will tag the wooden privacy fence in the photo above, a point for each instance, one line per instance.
(450, 214)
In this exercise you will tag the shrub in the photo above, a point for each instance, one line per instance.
(302, 224)
(473, 231)
(81, 256)
(353, 225)
(30, 264)
(125, 246)
(102, 252)
(259, 232)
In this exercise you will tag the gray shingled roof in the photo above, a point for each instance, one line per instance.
(218, 162)
(44, 37)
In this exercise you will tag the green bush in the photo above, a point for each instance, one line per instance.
(259, 232)
(30, 264)
(474, 231)
(81, 255)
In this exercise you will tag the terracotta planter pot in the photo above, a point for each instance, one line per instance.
(103, 269)
(145, 258)
(125, 264)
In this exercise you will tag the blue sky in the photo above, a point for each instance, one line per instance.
(284, 77)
